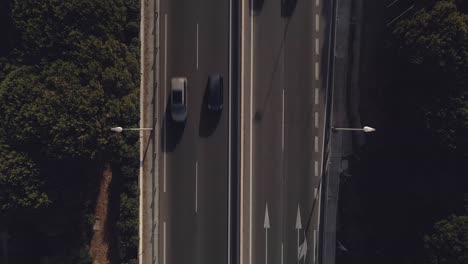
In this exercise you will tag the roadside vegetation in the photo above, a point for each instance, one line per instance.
(69, 70)
(406, 201)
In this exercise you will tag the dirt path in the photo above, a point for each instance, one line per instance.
(99, 246)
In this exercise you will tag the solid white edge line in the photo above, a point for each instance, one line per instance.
(141, 135)
(318, 211)
(242, 137)
(251, 135)
(282, 254)
(229, 134)
(164, 242)
(196, 186)
(197, 46)
(164, 99)
(314, 247)
(315, 193)
(317, 2)
(282, 122)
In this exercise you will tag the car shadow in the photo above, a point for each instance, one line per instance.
(287, 7)
(171, 132)
(255, 7)
(208, 119)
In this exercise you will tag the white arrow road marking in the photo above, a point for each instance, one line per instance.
(266, 225)
(266, 222)
(298, 227)
(302, 250)
(298, 218)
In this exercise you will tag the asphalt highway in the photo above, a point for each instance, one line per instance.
(283, 78)
(193, 175)
(285, 61)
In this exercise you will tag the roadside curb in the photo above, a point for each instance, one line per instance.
(343, 113)
(148, 176)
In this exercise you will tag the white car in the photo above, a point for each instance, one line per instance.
(179, 99)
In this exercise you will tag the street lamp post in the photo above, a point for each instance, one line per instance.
(365, 129)
(120, 129)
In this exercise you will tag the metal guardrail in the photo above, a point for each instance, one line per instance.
(328, 121)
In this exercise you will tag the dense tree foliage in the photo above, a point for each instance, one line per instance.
(412, 172)
(68, 72)
(434, 43)
(19, 178)
(65, 111)
(51, 28)
(449, 241)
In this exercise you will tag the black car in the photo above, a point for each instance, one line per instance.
(215, 92)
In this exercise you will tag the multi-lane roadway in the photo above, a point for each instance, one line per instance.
(193, 171)
(283, 60)
(284, 81)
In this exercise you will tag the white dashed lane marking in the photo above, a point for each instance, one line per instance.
(316, 71)
(316, 168)
(317, 25)
(316, 117)
(316, 96)
(316, 46)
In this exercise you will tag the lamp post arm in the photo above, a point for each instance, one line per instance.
(142, 128)
(120, 129)
(365, 129)
(347, 129)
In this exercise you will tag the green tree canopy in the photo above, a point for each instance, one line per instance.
(448, 244)
(434, 45)
(71, 74)
(436, 39)
(62, 110)
(21, 185)
(49, 28)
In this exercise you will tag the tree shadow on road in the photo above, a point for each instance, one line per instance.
(287, 7)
